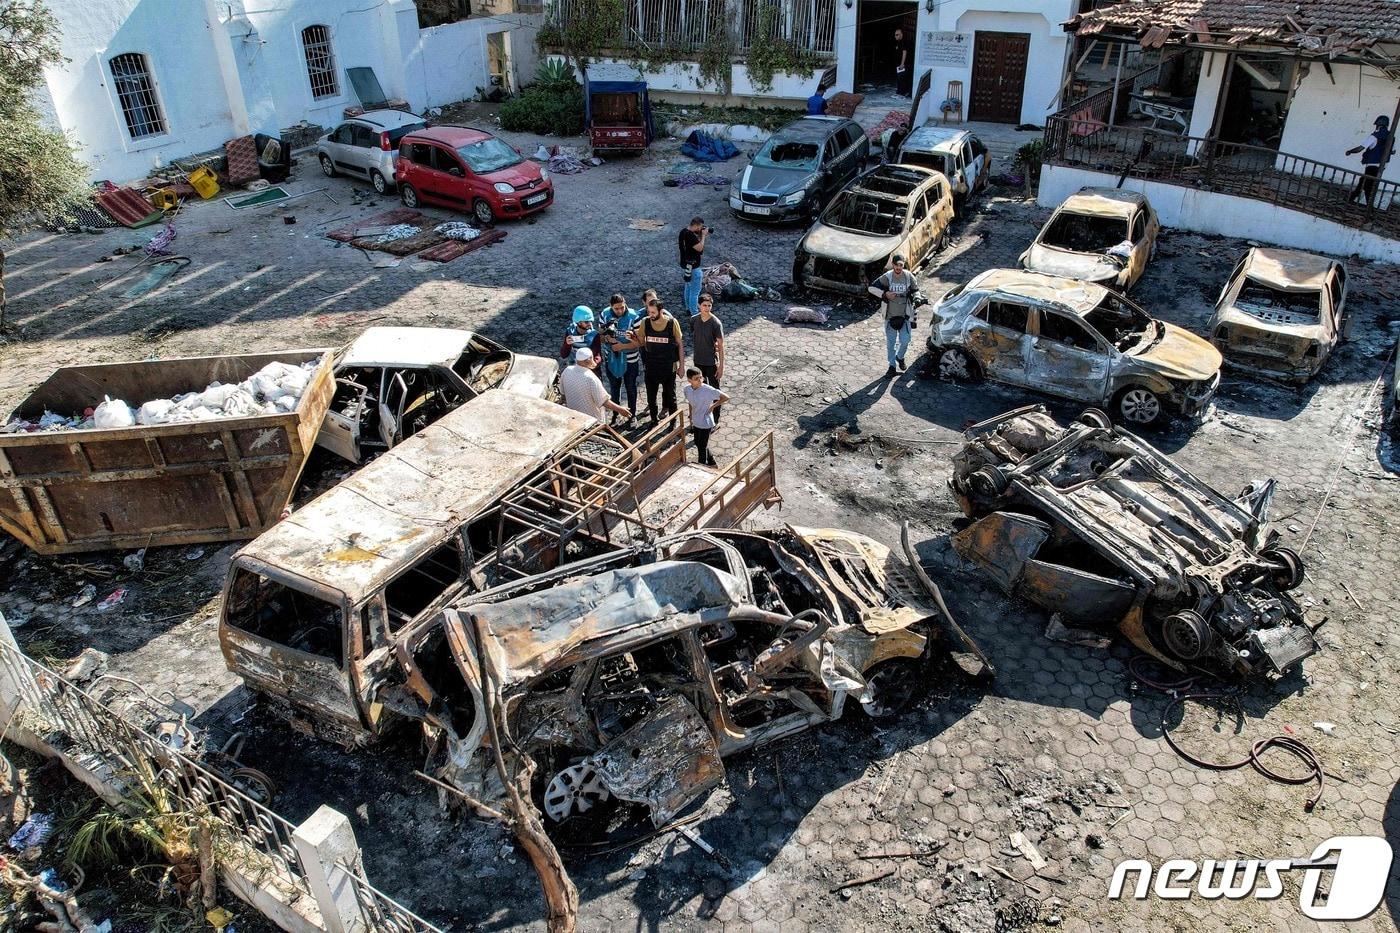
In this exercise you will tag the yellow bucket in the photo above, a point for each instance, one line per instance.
(204, 181)
(165, 199)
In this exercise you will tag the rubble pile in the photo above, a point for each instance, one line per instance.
(274, 389)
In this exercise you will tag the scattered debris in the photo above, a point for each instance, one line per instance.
(34, 832)
(870, 878)
(87, 665)
(86, 595)
(646, 223)
(457, 230)
(113, 600)
(1056, 630)
(1326, 728)
(135, 561)
(799, 314)
(1028, 849)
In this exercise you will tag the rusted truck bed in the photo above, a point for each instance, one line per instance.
(226, 479)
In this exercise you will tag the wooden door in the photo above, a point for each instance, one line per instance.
(998, 76)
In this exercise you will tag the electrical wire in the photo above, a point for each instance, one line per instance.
(1285, 743)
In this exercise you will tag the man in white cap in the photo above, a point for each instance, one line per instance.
(583, 390)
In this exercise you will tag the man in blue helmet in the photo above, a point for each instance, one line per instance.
(579, 334)
(1373, 153)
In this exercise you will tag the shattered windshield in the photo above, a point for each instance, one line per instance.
(1256, 294)
(1123, 324)
(489, 155)
(1083, 233)
(939, 163)
(788, 154)
(865, 214)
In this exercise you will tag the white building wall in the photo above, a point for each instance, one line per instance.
(1208, 212)
(179, 46)
(1326, 118)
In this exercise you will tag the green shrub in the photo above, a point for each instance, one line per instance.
(1029, 157)
(555, 74)
(554, 111)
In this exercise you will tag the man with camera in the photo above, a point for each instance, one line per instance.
(621, 357)
(692, 245)
(900, 293)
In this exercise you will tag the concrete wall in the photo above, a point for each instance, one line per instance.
(1207, 212)
(180, 50)
(1329, 115)
(450, 63)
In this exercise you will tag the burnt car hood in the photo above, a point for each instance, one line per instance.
(1181, 355)
(860, 248)
(1086, 267)
(778, 181)
(530, 375)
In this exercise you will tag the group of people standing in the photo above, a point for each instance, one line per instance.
(626, 343)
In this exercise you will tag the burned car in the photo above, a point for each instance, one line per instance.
(1281, 313)
(1103, 235)
(629, 677)
(891, 209)
(958, 154)
(1091, 522)
(392, 382)
(1074, 339)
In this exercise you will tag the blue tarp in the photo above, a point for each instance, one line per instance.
(618, 87)
(703, 147)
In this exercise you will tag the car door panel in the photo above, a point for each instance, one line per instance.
(357, 153)
(665, 762)
(1077, 370)
(454, 180)
(998, 343)
(392, 402)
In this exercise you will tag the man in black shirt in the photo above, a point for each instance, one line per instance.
(692, 244)
(658, 336)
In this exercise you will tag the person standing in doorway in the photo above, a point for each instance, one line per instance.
(663, 355)
(707, 339)
(615, 326)
(582, 390)
(903, 62)
(901, 295)
(704, 401)
(1372, 161)
(692, 246)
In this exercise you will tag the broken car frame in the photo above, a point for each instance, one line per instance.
(1090, 521)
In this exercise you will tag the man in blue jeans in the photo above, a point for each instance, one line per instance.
(692, 244)
(901, 295)
(615, 325)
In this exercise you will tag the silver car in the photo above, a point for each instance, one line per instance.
(366, 146)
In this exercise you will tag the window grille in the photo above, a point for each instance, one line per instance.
(320, 61)
(136, 92)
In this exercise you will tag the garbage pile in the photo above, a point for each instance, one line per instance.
(457, 230)
(274, 389)
(398, 232)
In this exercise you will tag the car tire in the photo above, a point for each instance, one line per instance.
(327, 166)
(1291, 576)
(893, 685)
(409, 195)
(380, 183)
(550, 780)
(954, 364)
(1138, 406)
(481, 210)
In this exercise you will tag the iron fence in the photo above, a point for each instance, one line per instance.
(684, 26)
(140, 766)
(1279, 178)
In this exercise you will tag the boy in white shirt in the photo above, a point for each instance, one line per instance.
(703, 400)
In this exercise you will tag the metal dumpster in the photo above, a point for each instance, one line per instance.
(225, 479)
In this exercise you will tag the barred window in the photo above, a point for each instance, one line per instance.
(320, 61)
(136, 92)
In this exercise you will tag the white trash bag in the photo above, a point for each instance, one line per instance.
(113, 413)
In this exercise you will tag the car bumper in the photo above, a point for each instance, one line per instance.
(515, 206)
(1195, 398)
(776, 213)
(1279, 363)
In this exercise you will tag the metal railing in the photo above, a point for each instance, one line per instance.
(1099, 105)
(140, 767)
(750, 478)
(1254, 172)
(684, 26)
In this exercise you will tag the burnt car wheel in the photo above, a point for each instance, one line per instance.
(1095, 418)
(892, 684)
(957, 365)
(574, 791)
(1138, 405)
(1187, 635)
(1290, 574)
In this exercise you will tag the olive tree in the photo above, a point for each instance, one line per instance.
(40, 175)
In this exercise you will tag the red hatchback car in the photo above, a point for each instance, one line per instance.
(456, 166)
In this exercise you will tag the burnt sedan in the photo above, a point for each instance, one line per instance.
(893, 209)
(629, 677)
(1103, 235)
(1281, 314)
(1093, 523)
(1073, 339)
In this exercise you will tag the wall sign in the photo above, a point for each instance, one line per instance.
(945, 49)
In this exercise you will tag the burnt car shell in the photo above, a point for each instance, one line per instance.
(1092, 522)
(634, 674)
(1281, 314)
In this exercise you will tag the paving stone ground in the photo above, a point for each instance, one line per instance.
(1064, 747)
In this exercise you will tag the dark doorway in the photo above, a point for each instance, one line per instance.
(1257, 100)
(876, 53)
(998, 76)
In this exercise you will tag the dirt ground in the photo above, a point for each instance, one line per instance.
(1064, 747)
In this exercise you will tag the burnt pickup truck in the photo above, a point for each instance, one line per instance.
(1091, 522)
(629, 677)
(503, 487)
(392, 382)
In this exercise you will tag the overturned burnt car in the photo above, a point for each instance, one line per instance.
(628, 677)
(1091, 522)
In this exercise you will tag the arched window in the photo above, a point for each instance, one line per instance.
(136, 92)
(320, 61)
